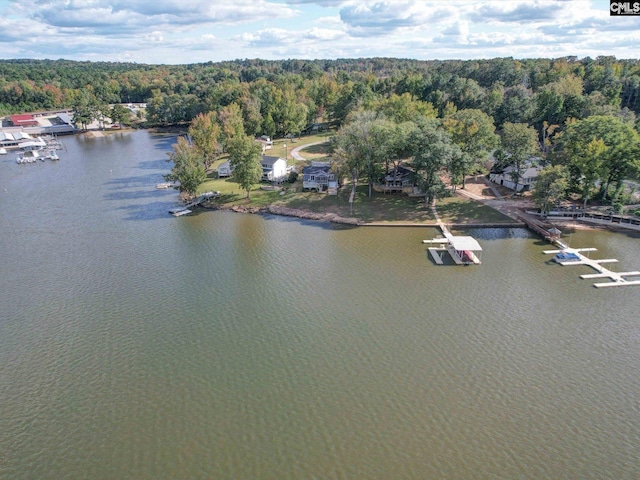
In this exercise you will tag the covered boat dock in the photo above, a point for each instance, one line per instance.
(464, 250)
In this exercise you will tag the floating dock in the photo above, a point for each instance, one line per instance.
(185, 210)
(573, 256)
(178, 212)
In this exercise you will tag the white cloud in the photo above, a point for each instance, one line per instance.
(187, 31)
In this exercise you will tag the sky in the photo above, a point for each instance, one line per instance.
(196, 31)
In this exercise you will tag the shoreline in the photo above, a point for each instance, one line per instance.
(337, 219)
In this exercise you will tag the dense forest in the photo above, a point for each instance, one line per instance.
(530, 90)
(570, 112)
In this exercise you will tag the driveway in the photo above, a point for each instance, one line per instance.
(295, 153)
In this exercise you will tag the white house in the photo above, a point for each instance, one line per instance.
(224, 170)
(525, 182)
(274, 169)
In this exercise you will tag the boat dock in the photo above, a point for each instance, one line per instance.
(464, 250)
(178, 212)
(186, 209)
(574, 256)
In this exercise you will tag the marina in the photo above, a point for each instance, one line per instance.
(31, 156)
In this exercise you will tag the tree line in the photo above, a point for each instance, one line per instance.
(276, 97)
(579, 115)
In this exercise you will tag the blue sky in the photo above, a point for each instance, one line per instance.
(194, 31)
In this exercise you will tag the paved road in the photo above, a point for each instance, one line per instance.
(295, 153)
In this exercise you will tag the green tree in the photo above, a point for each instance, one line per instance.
(474, 132)
(403, 108)
(588, 161)
(119, 114)
(82, 115)
(230, 118)
(205, 135)
(550, 187)
(188, 169)
(361, 147)
(519, 142)
(244, 159)
(433, 151)
(605, 147)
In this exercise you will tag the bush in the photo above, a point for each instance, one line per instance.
(293, 176)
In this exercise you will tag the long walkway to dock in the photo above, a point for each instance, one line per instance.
(463, 250)
(617, 278)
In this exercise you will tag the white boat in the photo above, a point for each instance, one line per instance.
(3, 151)
(164, 185)
(30, 156)
(53, 155)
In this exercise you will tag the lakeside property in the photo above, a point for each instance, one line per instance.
(480, 203)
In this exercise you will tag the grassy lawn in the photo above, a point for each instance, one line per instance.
(380, 208)
(315, 152)
(462, 210)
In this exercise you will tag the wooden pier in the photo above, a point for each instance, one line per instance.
(186, 209)
(617, 279)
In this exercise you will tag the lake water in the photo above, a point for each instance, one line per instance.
(220, 345)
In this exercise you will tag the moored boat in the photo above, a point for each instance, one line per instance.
(30, 156)
(566, 257)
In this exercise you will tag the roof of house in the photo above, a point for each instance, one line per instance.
(530, 172)
(268, 160)
(66, 118)
(14, 136)
(400, 173)
(315, 169)
(23, 119)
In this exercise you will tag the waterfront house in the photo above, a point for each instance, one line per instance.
(525, 182)
(274, 169)
(318, 176)
(400, 179)
(224, 170)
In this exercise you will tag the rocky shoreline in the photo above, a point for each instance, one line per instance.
(287, 212)
(334, 218)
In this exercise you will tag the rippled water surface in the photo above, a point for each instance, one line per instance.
(138, 345)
